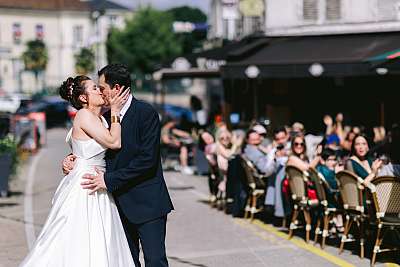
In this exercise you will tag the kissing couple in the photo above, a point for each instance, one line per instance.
(113, 195)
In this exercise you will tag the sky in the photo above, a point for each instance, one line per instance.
(165, 4)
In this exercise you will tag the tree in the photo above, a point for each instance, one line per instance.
(190, 40)
(147, 40)
(35, 58)
(84, 61)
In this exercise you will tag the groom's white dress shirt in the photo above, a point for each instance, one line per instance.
(125, 107)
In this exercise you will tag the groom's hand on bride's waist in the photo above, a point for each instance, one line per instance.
(68, 164)
(94, 182)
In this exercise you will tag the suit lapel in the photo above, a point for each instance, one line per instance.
(126, 121)
(129, 112)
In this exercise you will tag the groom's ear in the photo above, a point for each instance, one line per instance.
(117, 87)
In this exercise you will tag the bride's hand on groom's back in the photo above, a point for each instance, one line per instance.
(68, 164)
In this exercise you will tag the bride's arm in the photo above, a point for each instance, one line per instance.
(93, 126)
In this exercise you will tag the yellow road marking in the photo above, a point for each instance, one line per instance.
(300, 243)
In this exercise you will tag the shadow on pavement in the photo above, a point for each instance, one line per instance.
(186, 262)
(2, 205)
(180, 188)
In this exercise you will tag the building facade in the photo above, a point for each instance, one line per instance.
(319, 17)
(332, 50)
(64, 26)
(234, 19)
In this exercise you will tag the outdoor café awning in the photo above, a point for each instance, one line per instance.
(205, 64)
(308, 56)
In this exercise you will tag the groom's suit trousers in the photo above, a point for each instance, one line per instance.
(152, 239)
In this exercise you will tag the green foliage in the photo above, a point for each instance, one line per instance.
(35, 57)
(8, 146)
(84, 61)
(189, 14)
(193, 40)
(147, 40)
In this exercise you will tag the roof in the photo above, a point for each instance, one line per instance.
(59, 5)
(348, 54)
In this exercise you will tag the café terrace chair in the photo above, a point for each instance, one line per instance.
(322, 187)
(298, 180)
(385, 192)
(256, 185)
(352, 190)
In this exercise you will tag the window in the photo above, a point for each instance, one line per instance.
(17, 33)
(333, 9)
(310, 9)
(77, 39)
(112, 20)
(39, 32)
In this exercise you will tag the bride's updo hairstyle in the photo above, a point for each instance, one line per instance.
(72, 88)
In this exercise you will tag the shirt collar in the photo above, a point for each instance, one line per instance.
(126, 106)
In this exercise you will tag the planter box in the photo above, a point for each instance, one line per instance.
(5, 172)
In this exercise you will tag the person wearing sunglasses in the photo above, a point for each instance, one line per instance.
(298, 157)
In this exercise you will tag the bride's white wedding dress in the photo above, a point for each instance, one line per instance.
(81, 230)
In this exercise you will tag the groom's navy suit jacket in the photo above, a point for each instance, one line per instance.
(134, 173)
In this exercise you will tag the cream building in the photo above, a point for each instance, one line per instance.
(65, 26)
(233, 19)
(318, 17)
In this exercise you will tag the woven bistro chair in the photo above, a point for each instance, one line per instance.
(351, 191)
(256, 185)
(385, 192)
(298, 189)
(321, 188)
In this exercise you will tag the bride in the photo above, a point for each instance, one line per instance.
(83, 228)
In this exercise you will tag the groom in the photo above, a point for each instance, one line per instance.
(134, 173)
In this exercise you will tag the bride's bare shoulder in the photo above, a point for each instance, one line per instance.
(84, 113)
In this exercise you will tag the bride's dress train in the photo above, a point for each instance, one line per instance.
(81, 230)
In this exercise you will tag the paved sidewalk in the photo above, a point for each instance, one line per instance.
(197, 235)
(13, 244)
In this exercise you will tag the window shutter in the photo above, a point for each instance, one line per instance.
(310, 9)
(333, 9)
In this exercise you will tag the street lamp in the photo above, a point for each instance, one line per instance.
(316, 69)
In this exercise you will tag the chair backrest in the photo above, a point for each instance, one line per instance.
(386, 196)
(351, 191)
(297, 183)
(319, 183)
(253, 179)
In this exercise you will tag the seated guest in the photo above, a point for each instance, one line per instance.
(265, 163)
(176, 139)
(298, 157)
(266, 143)
(279, 152)
(207, 144)
(226, 148)
(360, 162)
(328, 168)
(312, 141)
(392, 165)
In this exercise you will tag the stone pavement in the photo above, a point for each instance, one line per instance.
(197, 235)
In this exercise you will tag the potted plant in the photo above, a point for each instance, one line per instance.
(8, 163)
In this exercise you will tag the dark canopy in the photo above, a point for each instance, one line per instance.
(339, 55)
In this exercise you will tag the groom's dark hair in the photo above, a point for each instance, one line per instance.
(116, 74)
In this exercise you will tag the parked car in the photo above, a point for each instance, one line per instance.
(56, 110)
(11, 103)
